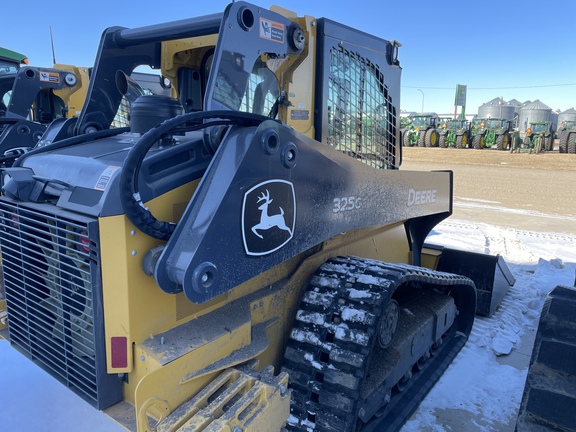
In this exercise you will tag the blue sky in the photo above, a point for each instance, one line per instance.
(523, 50)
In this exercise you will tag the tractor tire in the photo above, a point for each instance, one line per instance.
(432, 138)
(563, 141)
(406, 139)
(422, 139)
(502, 142)
(442, 142)
(547, 143)
(538, 144)
(571, 147)
(549, 398)
(478, 142)
(461, 141)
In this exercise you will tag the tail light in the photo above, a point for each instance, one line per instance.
(83, 242)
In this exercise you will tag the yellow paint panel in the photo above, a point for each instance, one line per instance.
(74, 96)
(134, 306)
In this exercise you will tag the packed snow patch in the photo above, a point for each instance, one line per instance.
(477, 387)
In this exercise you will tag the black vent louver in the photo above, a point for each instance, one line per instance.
(54, 296)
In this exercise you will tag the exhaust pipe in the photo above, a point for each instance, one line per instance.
(128, 87)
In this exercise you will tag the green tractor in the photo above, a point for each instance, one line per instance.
(423, 131)
(570, 142)
(477, 124)
(455, 133)
(405, 123)
(539, 137)
(10, 62)
(494, 133)
(563, 133)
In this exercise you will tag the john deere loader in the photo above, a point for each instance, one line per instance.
(35, 97)
(246, 254)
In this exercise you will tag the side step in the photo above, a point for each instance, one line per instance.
(549, 399)
(239, 399)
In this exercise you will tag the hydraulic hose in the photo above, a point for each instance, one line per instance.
(130, 198)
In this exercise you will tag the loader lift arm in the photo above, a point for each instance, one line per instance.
(256, 224)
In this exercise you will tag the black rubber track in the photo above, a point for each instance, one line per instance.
(549, 399)
(333, 338)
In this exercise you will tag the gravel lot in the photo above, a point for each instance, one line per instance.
(519, 190)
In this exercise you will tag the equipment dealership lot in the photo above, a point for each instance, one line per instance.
(519, 190)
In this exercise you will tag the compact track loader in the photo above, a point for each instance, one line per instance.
(35, 98)
(247, 254)
(549, 397)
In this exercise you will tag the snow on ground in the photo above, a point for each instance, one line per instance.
(479, 391)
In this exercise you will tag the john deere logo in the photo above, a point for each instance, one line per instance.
(268, 217)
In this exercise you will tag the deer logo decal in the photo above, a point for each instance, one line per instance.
(268, 217)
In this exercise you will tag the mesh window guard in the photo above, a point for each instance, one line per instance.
(361, 119)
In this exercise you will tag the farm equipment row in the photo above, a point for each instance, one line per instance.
(427, 130)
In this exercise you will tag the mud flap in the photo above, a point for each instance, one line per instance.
(490, 274)
(549, 399)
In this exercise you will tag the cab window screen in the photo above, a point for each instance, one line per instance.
(361, 122)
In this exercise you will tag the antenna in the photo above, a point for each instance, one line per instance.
(52, 43)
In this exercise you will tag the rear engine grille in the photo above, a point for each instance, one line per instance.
(54, 296)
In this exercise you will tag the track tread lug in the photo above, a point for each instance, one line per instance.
(334, 334)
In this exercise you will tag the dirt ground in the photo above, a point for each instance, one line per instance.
(519, 190)
(544, 161)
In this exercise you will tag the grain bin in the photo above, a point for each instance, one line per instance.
(554, 120)
(568, 115)
(517, 106)
(496, 108)
(535, 112)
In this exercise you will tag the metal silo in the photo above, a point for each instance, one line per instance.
(534, 112)
(568, 115)
(496, 108)
(554, 120)
(517, 106)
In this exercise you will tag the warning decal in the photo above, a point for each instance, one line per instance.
(52, 77)
(105, 177)
(272, 30)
